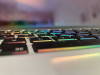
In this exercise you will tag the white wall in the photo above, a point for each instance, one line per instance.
(68, 12)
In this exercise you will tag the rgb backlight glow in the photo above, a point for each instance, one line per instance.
(68, 48)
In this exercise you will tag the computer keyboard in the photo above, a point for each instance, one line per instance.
(14, 41)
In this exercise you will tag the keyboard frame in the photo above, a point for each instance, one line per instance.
(37, 63)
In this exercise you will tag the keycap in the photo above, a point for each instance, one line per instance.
(40, 33)
(49, 36)
(66, 35)
(6, 36)
(13, 49)
(84, 37)
(69, 32)
(42, 39)
(67, 45)
(83, 34)
(57, 31)
(22, 36)
(43, 31)
(12, 41)
(63, 38)
(33, 39)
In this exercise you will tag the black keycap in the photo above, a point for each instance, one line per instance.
(67, 45)
(82, 34)
(13, 49)
(42, 39)
(63, 38)
(84, 37)
(45, 38)
(33, 39)
(19, 36)
(41, 35)
(70, 32)
(43, 31)
(12, 41)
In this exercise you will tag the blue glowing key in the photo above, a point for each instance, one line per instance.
(55, 33)
(43, 31)
(83, 34)
(69, 32)
(96, 34)
(99, 37)
(86, 38)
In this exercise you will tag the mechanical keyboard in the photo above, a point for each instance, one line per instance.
(14, 41)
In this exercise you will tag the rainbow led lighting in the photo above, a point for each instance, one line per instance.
(65, 39)
(27, 37)
(62, 59)
(40, 33)
(27, 32)
(21, 34)
(55, 33)
(43, 41)
(68, 48)
(86, 38)
(47, 36)
(16, 42)
(66, 35)
(43, 31)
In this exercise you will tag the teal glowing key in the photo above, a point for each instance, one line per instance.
(47, 36)
(86, 38)
(55, 33)
(44, 31)
(65, 39)
(67, 35)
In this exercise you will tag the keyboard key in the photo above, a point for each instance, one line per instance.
(66, 35)
(68, 45)
(63, 38)
(83, 34)
(40, 33)
(12, 41)
(69, 32)
(34, 31)
(43, 31)
(13, 49)
(33, 39)
(42, 39)
(87, 38)
(49, 36)
(21, 34)
(55, 33)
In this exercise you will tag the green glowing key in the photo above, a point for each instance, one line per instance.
(65, 39)
(47, 36)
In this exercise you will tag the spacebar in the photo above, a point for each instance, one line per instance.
(68, 45)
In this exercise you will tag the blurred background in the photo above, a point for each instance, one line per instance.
(50, 12)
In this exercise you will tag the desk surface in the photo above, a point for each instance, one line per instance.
(37, 63)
